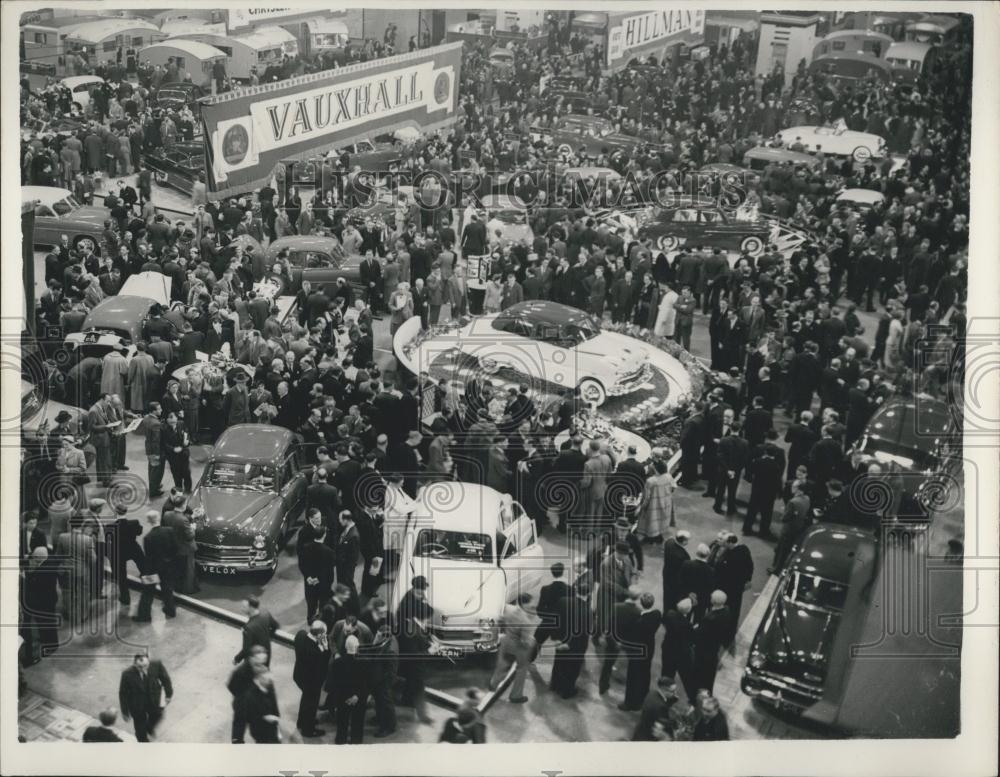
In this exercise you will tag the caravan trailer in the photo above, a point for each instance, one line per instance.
(194, 59)
(100, 40)
(318, 36)
(261, 48)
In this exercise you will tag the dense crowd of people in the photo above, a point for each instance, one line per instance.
(785, 332)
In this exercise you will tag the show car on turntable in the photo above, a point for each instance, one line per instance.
(253, 492)
(708, 225)
(559, 345)
(820, 592)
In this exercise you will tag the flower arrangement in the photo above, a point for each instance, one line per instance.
(658, 420)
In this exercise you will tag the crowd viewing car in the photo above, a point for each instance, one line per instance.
(253, 494)
(593, 134)
(178, 166)
(560, 346)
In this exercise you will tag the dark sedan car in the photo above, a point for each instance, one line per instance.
(253, 492)
(820, 591)
(596, 135)
(380, 157)
(316, 259)
(711, 226)
(178, 166)
(906, 434)
(174, 96)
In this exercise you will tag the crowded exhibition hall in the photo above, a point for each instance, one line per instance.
(491, 376)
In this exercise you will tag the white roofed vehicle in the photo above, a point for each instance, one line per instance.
(260, 48)
(838, 140)
(193, 58)
(478, 550)
(861, 198)
(559, 345)
(57, 213)
(82, 88)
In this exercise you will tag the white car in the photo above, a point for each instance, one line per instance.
(478, 550)
(82, 88)
(559, 345)
(509, 217)
(862, 199)
(841, 141)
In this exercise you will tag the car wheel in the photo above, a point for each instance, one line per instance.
(159, 177)
(667, 242)
(565, 148)
(862, 154)
(592, 392)
(753, 245)
(84, 241)
(78, 106)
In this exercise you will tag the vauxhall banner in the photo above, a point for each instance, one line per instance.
(250, 131)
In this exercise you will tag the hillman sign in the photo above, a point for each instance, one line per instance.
(250, 131)
(637, 34)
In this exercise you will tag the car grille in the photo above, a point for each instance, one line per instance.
(447, 634)
(208, 552)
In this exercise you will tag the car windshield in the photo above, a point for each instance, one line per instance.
(816, 592)
(252, 477)
(66, 205)
(508, 216)
(31, 402)
(579, 330)
(454, 545)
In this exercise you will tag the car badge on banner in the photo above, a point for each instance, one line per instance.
(235, 140)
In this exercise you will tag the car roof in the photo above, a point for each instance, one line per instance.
(460, 506)
(855, 34)
(502, 202)
(830, 552)
(299, 242)
(192, 47)
(44, 194)
(782, 153)
(909, 50)
(252, 443)
(114, 311)
(544, 312)
(869, 196)
(71, 81)
(916, 423)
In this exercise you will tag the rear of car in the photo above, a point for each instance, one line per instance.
(906, 434)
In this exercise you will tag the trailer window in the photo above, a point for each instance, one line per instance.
(110, 45)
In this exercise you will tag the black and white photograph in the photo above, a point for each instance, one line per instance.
(580, 383)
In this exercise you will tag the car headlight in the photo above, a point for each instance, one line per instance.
(260, 542)
(487, 623)
(757, 661)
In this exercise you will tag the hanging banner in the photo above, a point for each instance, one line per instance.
(637, 33)
(249, 131)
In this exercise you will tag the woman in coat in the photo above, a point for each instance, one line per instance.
(400, 306)
(656, 512)
(493, 297)
(647, 303)
(666, 318)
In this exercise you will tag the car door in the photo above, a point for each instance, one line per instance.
(320, 268)
(521, 558)
(293, 491)
(46, 226)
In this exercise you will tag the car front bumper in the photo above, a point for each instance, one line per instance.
(779, 690)
(232, 559)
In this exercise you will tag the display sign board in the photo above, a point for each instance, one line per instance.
(630, 35)
(249, 131)
(245, 17)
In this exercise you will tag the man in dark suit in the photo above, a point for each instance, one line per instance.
(624, 617)
(767, 463)
(640, 648)
(239, 683)
(325, 497)
(567, 470)
(712, 632)
(474, 237)
(719, 417)
(696, 580)
(162, 550)
(758, 420)
(630, 475)
(317, 561)
(859, 409)
(826, 459)
(793, 522)
(801, 439)
(677, 655)
(348, 551)
(40, 597)
(143, 687)
(675, 553)
(258, 630)
(692, 434)
(104, 732)
(732, 458)
(312, 658)
(548, 605)
(575, 628)
(733, 573)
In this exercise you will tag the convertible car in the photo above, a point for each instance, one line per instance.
(819, 592)
(178, 166)
(841, 141)
(559, 345)
(709, 225)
